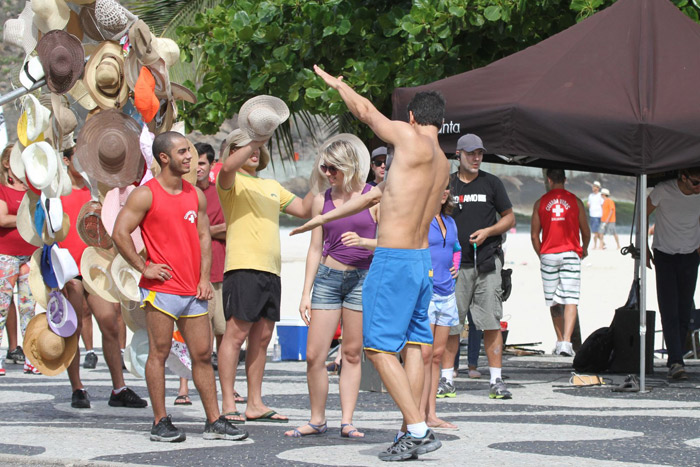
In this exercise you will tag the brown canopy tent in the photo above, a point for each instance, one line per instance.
(616, 93)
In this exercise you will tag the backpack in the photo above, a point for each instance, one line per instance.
(596, 352)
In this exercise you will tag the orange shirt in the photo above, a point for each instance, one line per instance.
(608, 211)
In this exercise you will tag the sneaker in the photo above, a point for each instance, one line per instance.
(409, 447)
(474, 374)
(90, 361)
(166, 431)
(80, 399)
(2, 367)
(127, 398)
(16, 355)
(445, 389)
(223, 429)
(499, 390)
(677, 371)
(557, 348)
(214, 361)
(566, 349)
(29, 369)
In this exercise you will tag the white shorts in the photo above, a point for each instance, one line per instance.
(443, 310)
(561, 278)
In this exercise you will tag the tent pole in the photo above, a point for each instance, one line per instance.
(642, 280)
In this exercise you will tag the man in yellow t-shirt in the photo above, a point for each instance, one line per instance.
(251, 288)
(607, 220)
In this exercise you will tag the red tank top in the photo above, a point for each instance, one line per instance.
(559, 218)
(170, 234)
(71, 206)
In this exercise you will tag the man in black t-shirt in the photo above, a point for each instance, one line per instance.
(480, 199)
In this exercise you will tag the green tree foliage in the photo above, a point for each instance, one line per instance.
(251, 47)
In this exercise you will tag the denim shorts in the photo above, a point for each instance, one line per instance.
(334, 289)
(443, 310)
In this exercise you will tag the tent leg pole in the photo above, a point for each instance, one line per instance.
(643, 281)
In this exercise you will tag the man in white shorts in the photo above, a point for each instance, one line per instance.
(561, 218)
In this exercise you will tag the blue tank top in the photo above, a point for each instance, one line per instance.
(361, 223)
(441, 251)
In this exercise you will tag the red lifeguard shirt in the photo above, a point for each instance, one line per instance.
(71, 206)
(170, 234)
(11, 242)
(559, 218)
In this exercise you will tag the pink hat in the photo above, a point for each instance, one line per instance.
(113, 203)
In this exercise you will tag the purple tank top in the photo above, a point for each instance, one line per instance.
(361, 223)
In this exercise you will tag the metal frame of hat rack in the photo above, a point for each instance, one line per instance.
(19, 92)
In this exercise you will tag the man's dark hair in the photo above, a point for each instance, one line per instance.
(205, 148)
(428, 108)
(164, 143)
(68, 153)
(690, 172)
(556, 175)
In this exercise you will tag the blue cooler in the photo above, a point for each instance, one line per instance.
(292, 334)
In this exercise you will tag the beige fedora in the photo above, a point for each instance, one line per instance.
(237, 138)
(260, 116)
(40, 291)
(104, 76)
(143, 43)
(21, 31)
(97, 280)
(126, 278)
(50, 353)
(82, 97)
(108, 149)
(62, 56)
(134, 316)
(50, 14)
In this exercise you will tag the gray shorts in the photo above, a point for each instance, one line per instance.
(608, 228)
(482, 295)
(175, 306)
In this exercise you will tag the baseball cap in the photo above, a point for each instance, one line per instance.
(596, 183)
(380, 151)
(469, 143)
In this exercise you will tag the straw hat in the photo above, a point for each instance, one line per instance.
(113, 202)
(49, 353)
(62, 57)
(168, 50)
(164, 118)
(97, 280)
(318, 182)
(238, 138)
(31, 72)
(26, 223)
(179, 361)
(40, 291)
(53, 213)
(108, 148)
(126, 278)
(61, 315)
(143, 43)
(182, 93)
(33, 121)
(64, 266)
(134, 316)
(104, 76)
(21, 31)
(40, 164)
(81, 95)
(50, 14)
(113, 19)
(260, 116)
(90, 228)
(63, 121)
(136, 353)
(16, 164)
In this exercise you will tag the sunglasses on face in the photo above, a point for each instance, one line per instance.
(692, 181)
(329, 169)
(379, 162)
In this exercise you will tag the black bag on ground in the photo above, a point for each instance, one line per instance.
(596, 352)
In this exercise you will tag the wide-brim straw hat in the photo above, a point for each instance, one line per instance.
(104, 76)
(168, 50)
(97, 279)
(50, 353)
(108, 149)
(164, 118)
(22, 31)
(318, 182)
(40, 292)
(136, 353)
(62, 318)
(62, 56)
(81, 95)
(179, 361)
(143, 43)
(50, 14)
(260, 116)
(16, 164)
(64, 120)
(31, 72)
(90, 228)
(26, 225)
(133, 315)
(126, 278)
(40, 164)
(239, 139)
(113, 202)
(113, 19)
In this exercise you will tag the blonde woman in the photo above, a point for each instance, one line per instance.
(335, 272)
(14, 257)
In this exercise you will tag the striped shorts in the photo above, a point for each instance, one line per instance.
(561, 278)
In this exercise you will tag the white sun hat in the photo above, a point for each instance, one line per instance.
(38, 117)
(21, 31)
(126, 278)
(136, 354)
(50, 14)
(64, 266)
(32, 71)
(40, 164)
(260, 116)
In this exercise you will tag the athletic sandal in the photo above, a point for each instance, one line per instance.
(318, 430)
(183, 400)
(268, 417)
(354, 433)
(237, 421)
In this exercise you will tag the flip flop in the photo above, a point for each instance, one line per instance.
(238, 398)
(183, 400)
(235, 421)
(444, 426)
(267, 417)
(319, 430)
(354, 433)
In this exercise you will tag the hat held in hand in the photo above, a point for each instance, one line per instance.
(260, 116)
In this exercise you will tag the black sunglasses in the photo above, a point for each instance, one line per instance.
(692, 181)
(379, 162)
(329, 168)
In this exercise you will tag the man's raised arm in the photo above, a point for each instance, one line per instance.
(235, 161)
(349, 208)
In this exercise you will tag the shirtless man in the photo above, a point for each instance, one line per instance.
(175, 285)
(399, 285)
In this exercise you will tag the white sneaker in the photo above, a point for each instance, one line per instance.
(567, 349)
(557, 348)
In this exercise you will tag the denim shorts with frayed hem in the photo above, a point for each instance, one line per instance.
(334, 289)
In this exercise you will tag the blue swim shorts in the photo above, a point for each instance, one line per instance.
(175, 306)
(395, 299)
(595, 224)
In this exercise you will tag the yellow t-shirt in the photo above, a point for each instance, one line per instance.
(251, 209)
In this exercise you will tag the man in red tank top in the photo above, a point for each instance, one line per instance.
(560, 216)
(175, 285)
